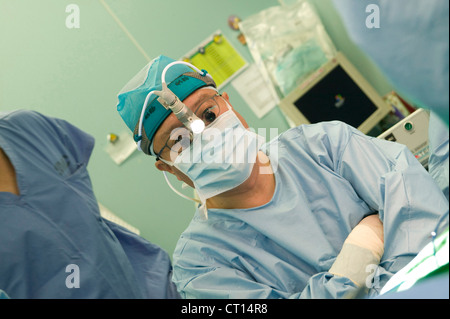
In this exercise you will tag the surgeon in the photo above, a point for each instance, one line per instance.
(283, 219)
(53, 241)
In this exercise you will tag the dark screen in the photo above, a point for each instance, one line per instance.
(336, 97)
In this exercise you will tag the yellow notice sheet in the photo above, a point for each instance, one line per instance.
(217, 56)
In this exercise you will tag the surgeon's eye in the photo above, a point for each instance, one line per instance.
(210, 114)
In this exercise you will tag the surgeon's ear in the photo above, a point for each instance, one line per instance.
(163, 167)
(226, 97)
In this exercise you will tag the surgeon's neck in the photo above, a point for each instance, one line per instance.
(257, 190)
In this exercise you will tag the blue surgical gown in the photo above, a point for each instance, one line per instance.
(438, 164)
(55, 222)
(3, 295)
(328, 177)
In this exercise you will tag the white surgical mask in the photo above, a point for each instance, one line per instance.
(221, 158)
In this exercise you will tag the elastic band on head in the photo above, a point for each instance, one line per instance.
(152, 152)
(209, 87)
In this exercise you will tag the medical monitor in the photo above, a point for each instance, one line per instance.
(412, 131)
(337, 91)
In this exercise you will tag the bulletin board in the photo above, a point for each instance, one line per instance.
(217, 56)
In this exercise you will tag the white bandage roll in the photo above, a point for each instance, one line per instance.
(362, 248)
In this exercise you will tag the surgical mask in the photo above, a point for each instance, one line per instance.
(221, 158)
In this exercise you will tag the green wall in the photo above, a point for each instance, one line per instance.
(75, 74)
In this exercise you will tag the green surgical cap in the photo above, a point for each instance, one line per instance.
(180, 78)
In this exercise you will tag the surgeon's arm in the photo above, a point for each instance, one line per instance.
(348, 277)
(388, 178)
(391, 181)
(350, 274)
(362, 248)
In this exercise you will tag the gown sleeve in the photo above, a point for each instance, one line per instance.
(391, 181)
